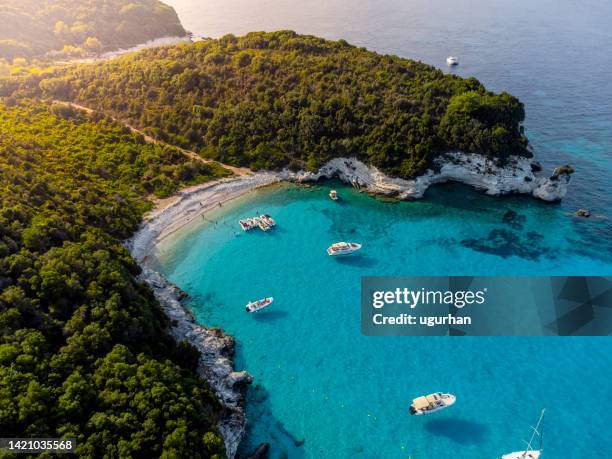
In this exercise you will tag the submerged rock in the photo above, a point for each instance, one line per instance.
(479, 171)
(513, 219)
(261, 452)
(583, 213)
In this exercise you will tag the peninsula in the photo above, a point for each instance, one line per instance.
(86, 148)
(68, 29)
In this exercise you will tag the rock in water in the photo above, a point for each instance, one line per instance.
(583, 213)
(261, 452)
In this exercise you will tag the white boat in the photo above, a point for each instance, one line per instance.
(264, 223)
(254, 306)
(431, 403)
(333, 195)
(450, 60)
(530, 452)
(342, 248)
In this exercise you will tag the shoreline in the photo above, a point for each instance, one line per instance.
(216, 364)
(172, 214)
(517, 176)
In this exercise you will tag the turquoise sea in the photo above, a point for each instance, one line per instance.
(322, 390)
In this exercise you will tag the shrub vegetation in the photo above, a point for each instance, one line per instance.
(84, 348)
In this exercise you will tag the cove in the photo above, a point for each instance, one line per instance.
(321, 389)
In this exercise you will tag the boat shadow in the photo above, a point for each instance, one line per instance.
(461, 431)
(269, 316)
(360, 261)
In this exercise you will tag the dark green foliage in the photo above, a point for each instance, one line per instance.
(84, 350)
(34, 27)
(268, 100)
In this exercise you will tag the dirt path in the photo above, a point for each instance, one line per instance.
(240, 171)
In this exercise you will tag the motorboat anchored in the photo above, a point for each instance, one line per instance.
(530, 452)
(342, 248)
(333, 195)
(263, 222)
(450, 60)
(254, 306)
(431, 403)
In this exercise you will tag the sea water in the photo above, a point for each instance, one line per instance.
(321, 390)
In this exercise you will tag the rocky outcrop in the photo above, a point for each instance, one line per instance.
(261, 452)
(216, 352)
(586, 213)
(516, 176)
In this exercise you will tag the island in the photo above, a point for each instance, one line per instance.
(61, 28)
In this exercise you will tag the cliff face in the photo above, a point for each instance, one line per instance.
(216, 358)
(517, 176)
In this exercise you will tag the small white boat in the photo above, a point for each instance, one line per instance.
(450, 60)
(254, 306)
(529, 453)
(333, 195)
(431, 403)
(266, 222)
(342, 248)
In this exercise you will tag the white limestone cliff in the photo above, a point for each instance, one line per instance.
(516, 176)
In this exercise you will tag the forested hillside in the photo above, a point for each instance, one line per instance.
(79, 28)
(268, 100)
(84, 350)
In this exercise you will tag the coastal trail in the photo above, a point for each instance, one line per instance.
(240, 171)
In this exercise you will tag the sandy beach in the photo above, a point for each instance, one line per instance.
(171, 214)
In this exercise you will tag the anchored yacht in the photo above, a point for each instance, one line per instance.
(450, 60)
(333, 195)
(342, 248)
(529, 453)
(254, 306)
(431, 403)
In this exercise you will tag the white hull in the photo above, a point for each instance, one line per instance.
(529, 453)
(258, 305)
(347, 249)
(423, 413)
(523, 455)
(431, 403)
(452, 61)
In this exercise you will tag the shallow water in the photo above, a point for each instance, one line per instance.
(316, 378)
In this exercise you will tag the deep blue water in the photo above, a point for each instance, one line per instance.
(316, 378)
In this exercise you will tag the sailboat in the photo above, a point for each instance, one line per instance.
(529, 453)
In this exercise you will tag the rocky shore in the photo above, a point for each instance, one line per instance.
(216, 357)
(518, 175)
(216, 348)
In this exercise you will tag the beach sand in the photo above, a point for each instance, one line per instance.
(172, 214)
